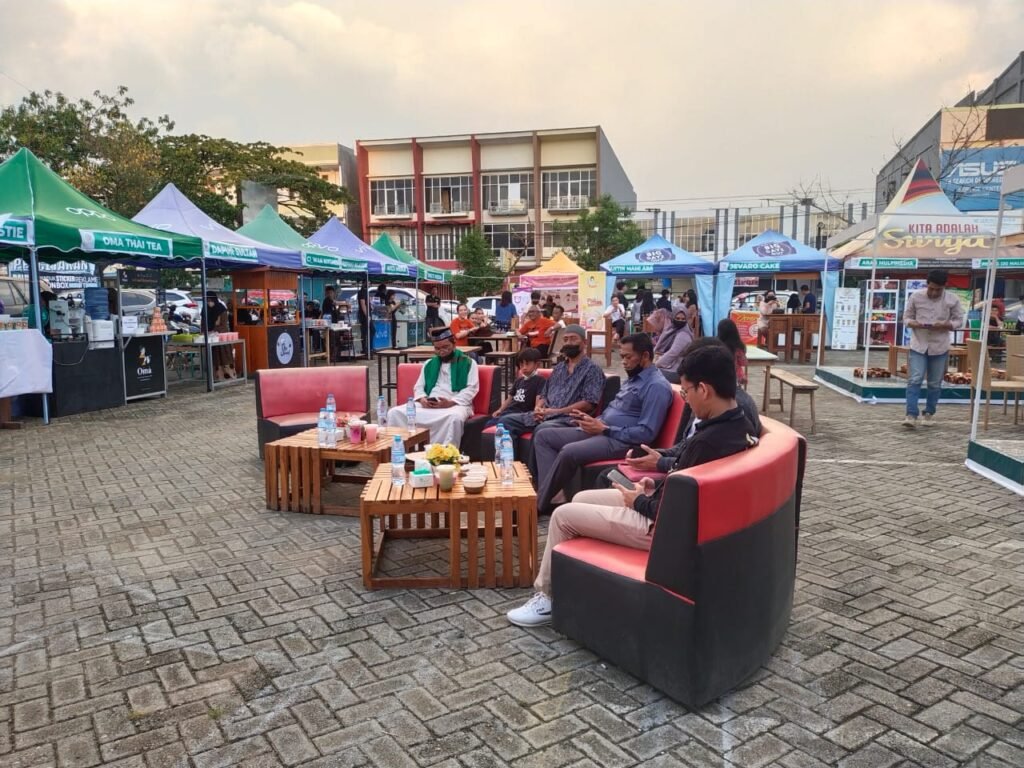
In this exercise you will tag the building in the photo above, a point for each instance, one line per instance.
(335, 163)
(966, 146)
(428, 192)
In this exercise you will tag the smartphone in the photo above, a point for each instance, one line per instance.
(617, 477)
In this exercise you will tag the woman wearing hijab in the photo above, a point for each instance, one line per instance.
(672, 343)
(215, 320)
(693, 312)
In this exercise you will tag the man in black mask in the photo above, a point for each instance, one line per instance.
(634, 417)
(575, 384)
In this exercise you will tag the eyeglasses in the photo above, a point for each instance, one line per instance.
(685, 390)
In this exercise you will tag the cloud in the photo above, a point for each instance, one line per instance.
(699, 99)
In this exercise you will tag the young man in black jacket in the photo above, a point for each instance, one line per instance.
(622, 516)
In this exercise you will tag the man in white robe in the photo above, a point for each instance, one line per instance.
(443, 393)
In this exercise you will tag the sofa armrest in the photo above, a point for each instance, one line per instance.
(472, 437)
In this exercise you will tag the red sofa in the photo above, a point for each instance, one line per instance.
(485, 403)
(288, 400)
(483, 449)
(709, 604)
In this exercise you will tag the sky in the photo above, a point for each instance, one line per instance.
(705, 103)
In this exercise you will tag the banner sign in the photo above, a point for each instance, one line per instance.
(746, 322)
(752, 266)
(16, 231)
(283, 346)
(845, 318)
(1000, 263)
(972, 176)
(143, 366)
(434, 276)
(229, 252)
(882, 264)
(123, 242)
(320, 260)
(591, 300)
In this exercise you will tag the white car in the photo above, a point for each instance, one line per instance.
(410, 296)
(186, 306)
(489, 304)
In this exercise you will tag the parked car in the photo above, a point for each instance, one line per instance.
(186, 306)
(489, 304)
(16, 295)
(410, 296)
(137, 301)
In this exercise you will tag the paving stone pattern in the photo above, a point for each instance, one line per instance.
(154, 613)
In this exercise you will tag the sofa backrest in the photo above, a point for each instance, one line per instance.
(299, 390)
(722, 499)
(486, 401)
(670, 427)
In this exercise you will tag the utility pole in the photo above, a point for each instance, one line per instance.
(655, 211)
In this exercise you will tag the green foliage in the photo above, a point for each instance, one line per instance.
(599, 235)
(480, 273)
(122, 163)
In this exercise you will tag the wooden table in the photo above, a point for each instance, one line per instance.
(957, 355)
(788, 326)
(296, 469)
(325, 336)
(499, 340)
(499, 514)
(418, 354)
(759, 358)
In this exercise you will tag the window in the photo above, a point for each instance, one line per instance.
(508, 193)
(392, 197)
(517, 238)
(406, 239)
(569, 190)
(448, 194)
(440, 246)
(554, 235)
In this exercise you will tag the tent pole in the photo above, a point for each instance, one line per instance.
(300, 300)
(368, 330)
(867, 305)
(416, 313)
(990, 287)
(120, 340)
(37, 311)
(207, 349)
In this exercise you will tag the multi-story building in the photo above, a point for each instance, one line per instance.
(335, 163)
(428, 192)
(966, 146)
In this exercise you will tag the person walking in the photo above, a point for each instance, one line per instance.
(931, 314)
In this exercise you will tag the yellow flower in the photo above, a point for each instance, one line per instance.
(443, 454)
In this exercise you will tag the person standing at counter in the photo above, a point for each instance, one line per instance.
(215, 320)
(433, 316)
(327, 308)
(364, 316)
(808, 301)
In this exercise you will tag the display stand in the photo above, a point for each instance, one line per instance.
(269, 343)
(882, 315)
(144, 358)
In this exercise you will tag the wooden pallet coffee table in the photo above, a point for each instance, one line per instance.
(499, 514)
(296, 470)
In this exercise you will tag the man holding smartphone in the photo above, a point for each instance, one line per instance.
(623, 515)
(931, 314)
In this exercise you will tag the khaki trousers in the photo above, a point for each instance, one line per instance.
(597, 514)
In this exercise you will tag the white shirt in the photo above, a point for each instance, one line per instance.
(443, 387)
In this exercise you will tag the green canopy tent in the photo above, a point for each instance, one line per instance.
(385, 244)
(42, 217)
(268, 227)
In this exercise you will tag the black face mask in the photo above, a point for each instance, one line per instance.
(635, 372)
(571, 350)
(679, 323)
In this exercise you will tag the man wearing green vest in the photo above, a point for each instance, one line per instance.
(444, 392)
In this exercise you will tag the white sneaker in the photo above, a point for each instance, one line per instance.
(910, 422)
(929, 420)
(536, 612)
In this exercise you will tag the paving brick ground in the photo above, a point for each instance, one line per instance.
(153, 613)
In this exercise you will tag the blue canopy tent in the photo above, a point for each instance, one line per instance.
(773, 253)
(337, 239)
(657, 257)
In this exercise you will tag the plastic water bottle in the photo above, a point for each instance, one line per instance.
(398, 462)
(382, 411)
(332, 430)
(499, 431)
(331, 404)
(321, 429)
(410, 414)
(508, 473)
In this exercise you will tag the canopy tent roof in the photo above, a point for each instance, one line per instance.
(772, 252)
(559, 264)
(386, 245)
(172, 211)
(40, 210)
(268, 227)
(919, 224)
(335, 239)
(657, 257)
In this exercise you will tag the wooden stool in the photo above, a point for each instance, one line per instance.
(798, 385)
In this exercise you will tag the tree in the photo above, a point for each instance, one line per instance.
(122, 163)
(480, 274)
(595, 237)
